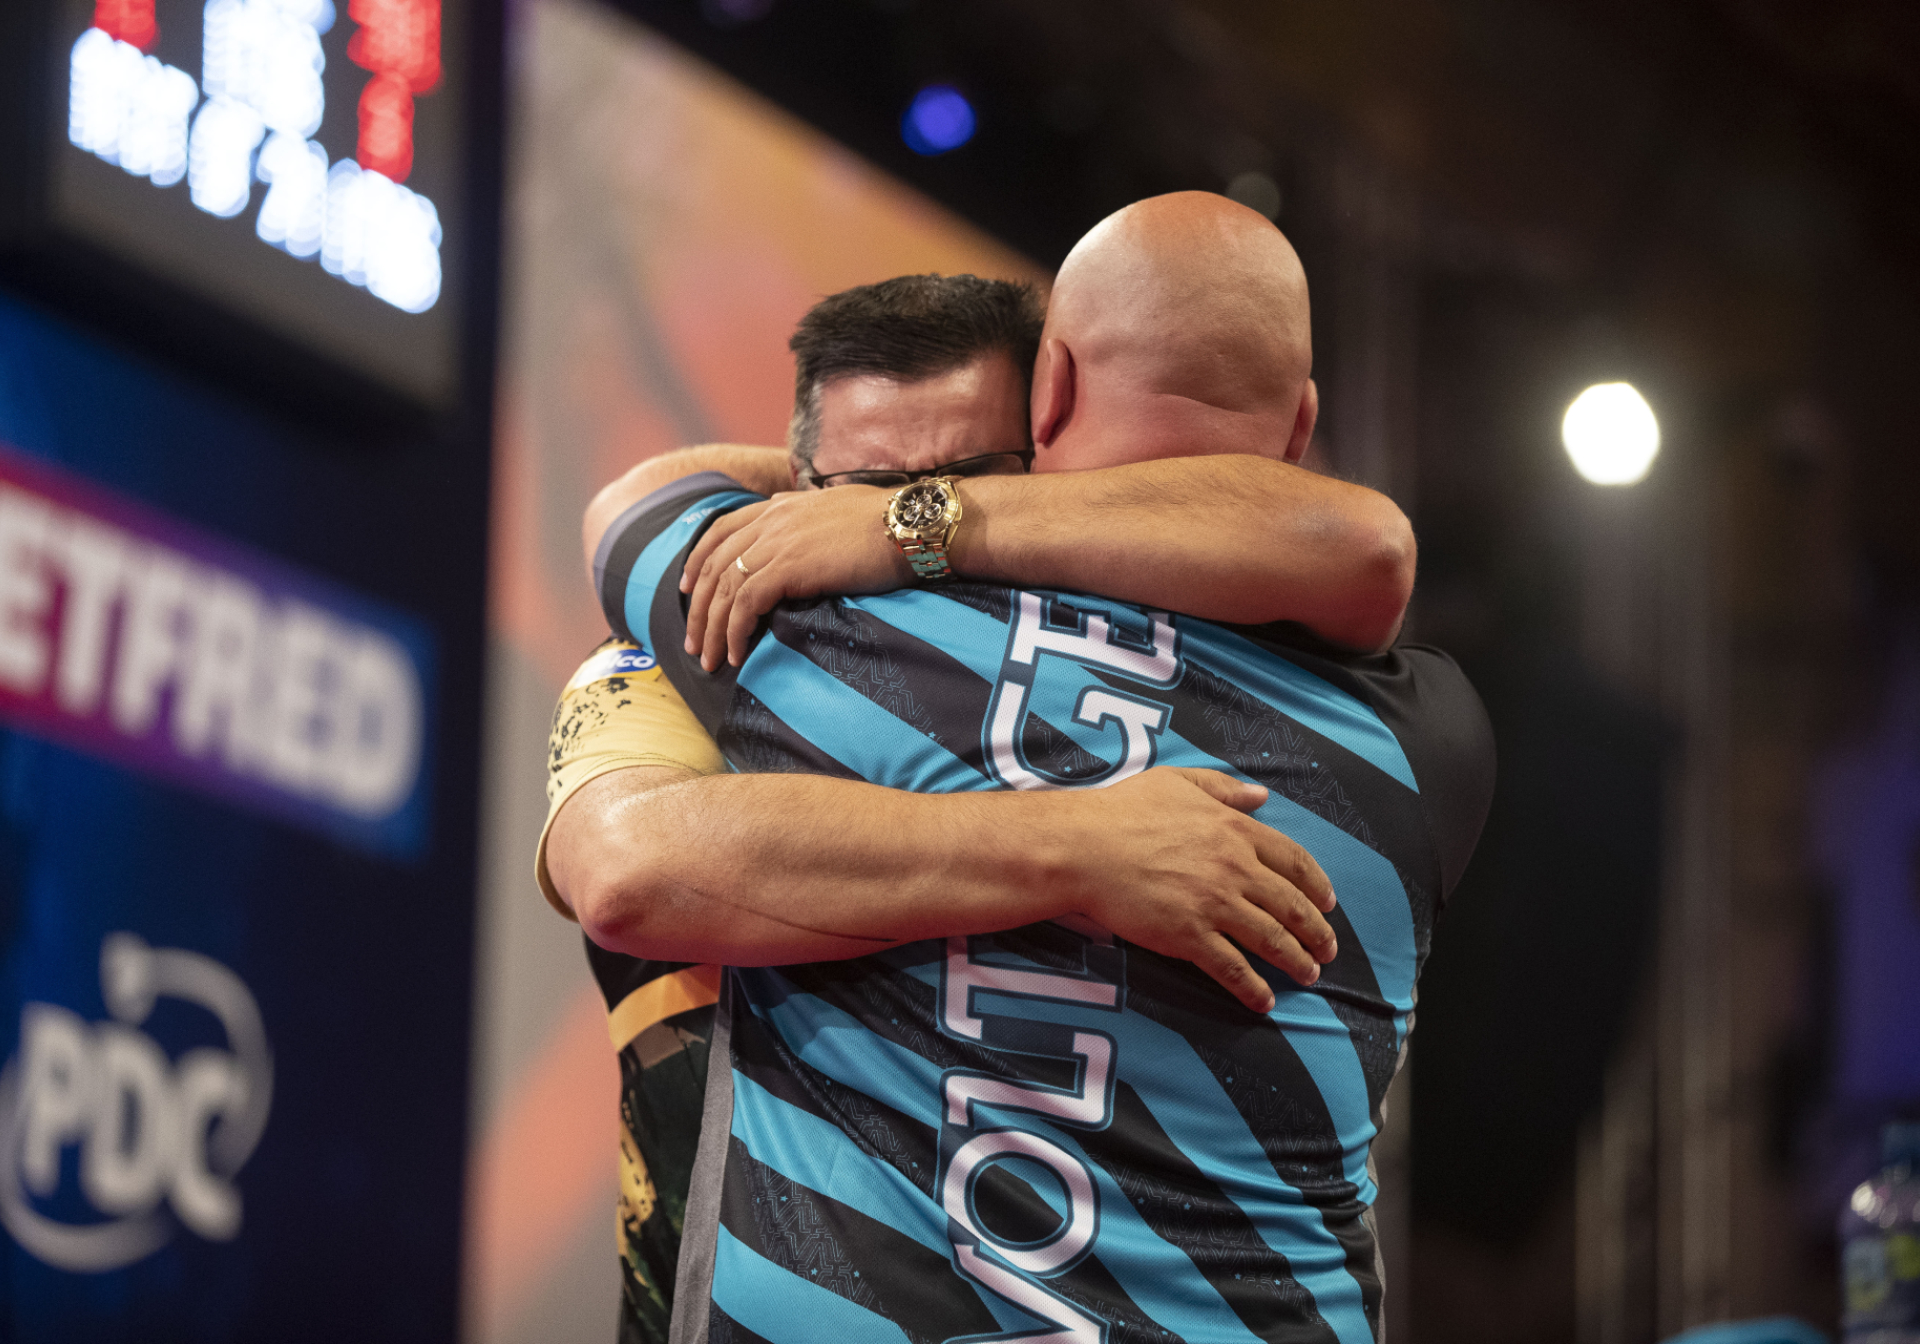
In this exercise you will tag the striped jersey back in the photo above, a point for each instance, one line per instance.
(1049, 1133)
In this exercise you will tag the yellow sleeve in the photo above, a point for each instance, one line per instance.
(619, 710)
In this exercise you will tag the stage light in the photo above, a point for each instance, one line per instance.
(734, 13)
(939, 119)
(1611, 434)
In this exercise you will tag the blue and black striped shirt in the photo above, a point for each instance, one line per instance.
(1049, 1133)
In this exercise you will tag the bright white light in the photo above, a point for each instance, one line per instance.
(258, 53)
(316, 14)
(99, 75)
(295, 210)
(224, 49)
(220, 163)
(129, 109)
(1611, 434)
(262, 73)
(153, 140)
(382, 236)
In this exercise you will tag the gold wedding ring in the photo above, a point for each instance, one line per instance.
(740, 563)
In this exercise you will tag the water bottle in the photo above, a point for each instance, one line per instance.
(1880, 1247)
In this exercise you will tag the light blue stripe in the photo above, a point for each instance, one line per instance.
(1365, 881)
(1375, 902)
(1190, 1104)
(851, 728)
(1199, 1116)
(970, 637)
(1297, 693)
(1367, 887)
(784, 1308)
(1326, 1048)
(839, 1046)
(1167, 1287)
(818, 1154)
(648, 571)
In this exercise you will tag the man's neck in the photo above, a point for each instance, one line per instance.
(1130, 426)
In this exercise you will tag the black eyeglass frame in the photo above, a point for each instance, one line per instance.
(897, 479)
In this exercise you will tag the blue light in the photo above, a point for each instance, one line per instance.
(939, 119)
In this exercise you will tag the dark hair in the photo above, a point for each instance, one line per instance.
(909, 327)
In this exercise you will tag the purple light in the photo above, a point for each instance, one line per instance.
(939, 119)
(734, 13)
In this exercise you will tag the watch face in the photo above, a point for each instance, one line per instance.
(921, 506)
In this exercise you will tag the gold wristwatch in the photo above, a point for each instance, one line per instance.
(922, 518)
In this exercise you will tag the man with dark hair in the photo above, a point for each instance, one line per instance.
(907, 329)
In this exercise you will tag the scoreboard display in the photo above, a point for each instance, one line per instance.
(247, 251)
(293, 167)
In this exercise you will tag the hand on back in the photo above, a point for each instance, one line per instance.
(1171, 860)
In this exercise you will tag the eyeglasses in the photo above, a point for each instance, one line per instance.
(987, 464)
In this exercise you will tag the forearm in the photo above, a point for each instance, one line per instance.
(761, 470)
(1229, 538)
(755, 870)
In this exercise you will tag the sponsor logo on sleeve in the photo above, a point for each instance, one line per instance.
(613, 659)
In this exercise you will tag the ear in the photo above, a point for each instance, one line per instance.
(1053, 389)
(793, 472)
(1303, 420)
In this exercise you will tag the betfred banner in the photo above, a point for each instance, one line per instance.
(164, 650)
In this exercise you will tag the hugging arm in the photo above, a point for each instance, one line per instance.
(761, 470)
(1237, 539)
(660, 853)
(1233, 538)
(771, 869)
(756, 870)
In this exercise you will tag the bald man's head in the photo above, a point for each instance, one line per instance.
(1179, 325)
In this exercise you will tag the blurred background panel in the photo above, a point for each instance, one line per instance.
(245, 436)
(667, 229)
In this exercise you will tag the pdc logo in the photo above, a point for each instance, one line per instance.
(160, 1140)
